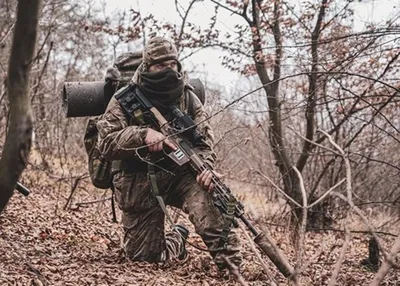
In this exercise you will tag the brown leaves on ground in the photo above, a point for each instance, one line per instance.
(43, 244)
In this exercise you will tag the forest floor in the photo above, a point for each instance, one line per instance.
(45, 241)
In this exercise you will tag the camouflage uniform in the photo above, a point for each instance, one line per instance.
(143, 218)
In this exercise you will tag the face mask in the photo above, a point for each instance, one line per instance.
(163, 88)
(164, 80)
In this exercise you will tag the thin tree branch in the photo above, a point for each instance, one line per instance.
(327, 193)
(387, 264)
(7, 34)
(303, 225)
(347, 164)
(342, 254)
(233, 11)
(278, 189)
(178, 43)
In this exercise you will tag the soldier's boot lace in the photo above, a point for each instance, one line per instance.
(184, 233)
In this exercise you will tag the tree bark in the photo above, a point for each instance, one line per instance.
(18, 141)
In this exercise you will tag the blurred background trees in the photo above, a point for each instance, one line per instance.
(317, 69)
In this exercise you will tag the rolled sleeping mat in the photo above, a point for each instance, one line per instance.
(80, 99)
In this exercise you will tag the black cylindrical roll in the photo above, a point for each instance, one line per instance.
(85, 98)
(81, 99)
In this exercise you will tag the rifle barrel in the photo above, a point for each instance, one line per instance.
(249, 225)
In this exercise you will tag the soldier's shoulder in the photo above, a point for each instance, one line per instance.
(113, 110)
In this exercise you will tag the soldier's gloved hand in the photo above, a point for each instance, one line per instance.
(155, 140)
(204, 179)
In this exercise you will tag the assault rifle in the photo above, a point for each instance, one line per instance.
(183, 133)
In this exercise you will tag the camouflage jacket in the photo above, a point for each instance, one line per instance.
(120, 134)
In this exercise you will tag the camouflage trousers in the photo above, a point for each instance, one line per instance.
(143, 218)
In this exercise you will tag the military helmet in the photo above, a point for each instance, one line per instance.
(159, 49)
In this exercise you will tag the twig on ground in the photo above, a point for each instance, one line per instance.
(73, 188)
(314, 258)
(352, 231)
(233, 269)
(93, 202)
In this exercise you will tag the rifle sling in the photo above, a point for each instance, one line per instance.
(114, 215)
(127, 100)
(229, 218)
(151, 174)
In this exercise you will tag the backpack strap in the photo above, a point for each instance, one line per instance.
(190, 103)
(114, 215)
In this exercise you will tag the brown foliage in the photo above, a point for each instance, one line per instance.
(43, 243)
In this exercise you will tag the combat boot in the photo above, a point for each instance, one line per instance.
(184, 233)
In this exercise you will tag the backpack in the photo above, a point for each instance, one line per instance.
(99, 168)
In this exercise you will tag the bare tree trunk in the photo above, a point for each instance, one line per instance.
(271, 87)
(18, 142)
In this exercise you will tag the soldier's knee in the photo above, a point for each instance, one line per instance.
(150, 257)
